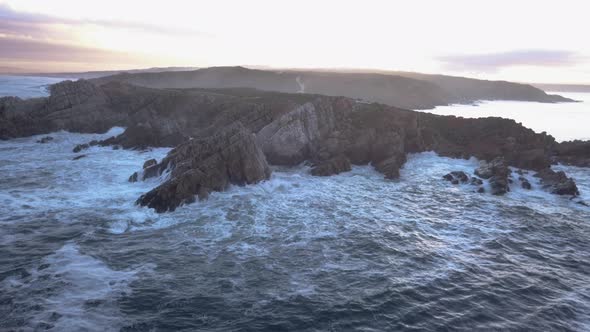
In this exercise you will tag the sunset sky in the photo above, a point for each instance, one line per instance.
(525, 40)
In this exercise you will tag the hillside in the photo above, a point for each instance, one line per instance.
(405, 90)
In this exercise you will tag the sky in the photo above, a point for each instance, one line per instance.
(525, 40)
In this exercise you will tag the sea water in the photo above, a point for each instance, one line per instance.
(300, 253)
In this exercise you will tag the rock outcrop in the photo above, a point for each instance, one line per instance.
(457, 177)
(486, 139)
(199, 167)
(45, 139)
(574, 153)
(149, 163)
(497, 172)
(524, 183)
(332, 133)
(331, 166)
(557, 182)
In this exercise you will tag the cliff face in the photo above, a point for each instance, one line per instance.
(404, 90)
(289, 128)
(228, 136)
(465, 90)
(201, 166)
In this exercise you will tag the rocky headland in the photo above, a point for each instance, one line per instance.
(400, 89)
(231, 136)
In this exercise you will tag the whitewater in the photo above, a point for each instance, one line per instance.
(348, 252)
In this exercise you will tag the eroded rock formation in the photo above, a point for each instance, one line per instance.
(575, 153)
(557, 182)
(198, 167)
(217, 131)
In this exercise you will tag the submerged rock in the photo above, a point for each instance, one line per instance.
(79, 157)
(149, 163)
(390, 167)
(134, 177)
(557, 182)
(85, 146)
(456, 177)
(199, 167)
(461, 176)
(524, 183)
(45, 139)
(497, 172)
(80, 147)
(476, 181)
(331, 166)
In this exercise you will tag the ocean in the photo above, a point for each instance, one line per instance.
(295, 253)
(25, 86)
(565, 121)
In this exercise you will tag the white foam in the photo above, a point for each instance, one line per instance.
(46, 179)
(85, 291)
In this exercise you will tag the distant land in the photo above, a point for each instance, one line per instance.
(101, 73)
(563, 87)
(404, 90)
(397, 88)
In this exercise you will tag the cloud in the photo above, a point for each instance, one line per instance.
(493, 62)
(14, 49)
(36, 41)
(13, 22)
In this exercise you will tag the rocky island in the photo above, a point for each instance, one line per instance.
(224, 136)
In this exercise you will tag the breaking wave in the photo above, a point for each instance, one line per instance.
(296, 252)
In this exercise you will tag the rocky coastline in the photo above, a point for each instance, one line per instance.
(232, 136)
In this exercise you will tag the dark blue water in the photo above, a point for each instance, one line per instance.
(296, 253)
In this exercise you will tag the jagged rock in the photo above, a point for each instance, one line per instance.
(85, 146)
(211, 164)
(45, 139)
(486, 139)
(288, 139)
(524, 183)
(575, 153)
(495, 167)
(330, 127)
(557, 182)
(79, 157)
(390, 167)
(476, 181)
(134, 177)
(143, 136)
(497, 172)
(481, 190)
(331, 166)
(290, 129)
(149, 163)
(499, 185)
(461, 176)
(456, 176)
(80, 147)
